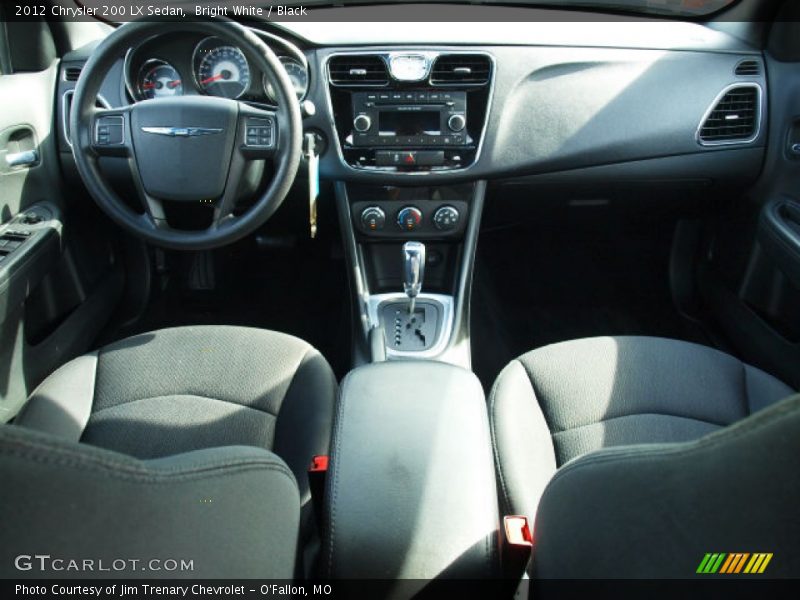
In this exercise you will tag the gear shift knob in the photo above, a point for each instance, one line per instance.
(413, 270)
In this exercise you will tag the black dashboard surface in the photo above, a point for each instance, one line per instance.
(566, 98)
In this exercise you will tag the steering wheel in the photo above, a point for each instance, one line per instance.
(189, 149)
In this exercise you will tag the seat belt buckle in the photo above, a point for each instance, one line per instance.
(517, 547)
(518, 532)
(317, 475)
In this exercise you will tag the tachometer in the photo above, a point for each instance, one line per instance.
(158, 79)
(222, 71)
(297, 75)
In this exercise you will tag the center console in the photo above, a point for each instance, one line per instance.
(410, 494)
(409, 111)
(379, 224)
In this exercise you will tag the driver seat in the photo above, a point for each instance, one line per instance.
(194, 443)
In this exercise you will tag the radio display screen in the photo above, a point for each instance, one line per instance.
(409, 123)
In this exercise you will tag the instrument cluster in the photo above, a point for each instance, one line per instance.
(181, 65)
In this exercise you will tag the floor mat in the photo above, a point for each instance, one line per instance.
(302, 292)
(536, 285)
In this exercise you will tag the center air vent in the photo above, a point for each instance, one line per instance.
(72, 73)
(734, 118)
(358, 70)
(461, 69)
(748, 68)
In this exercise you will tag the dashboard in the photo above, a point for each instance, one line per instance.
(191, 64)
(559, 101)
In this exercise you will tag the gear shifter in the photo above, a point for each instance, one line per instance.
(413, 271)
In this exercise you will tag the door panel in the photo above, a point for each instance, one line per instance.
(48, 311)
(26, 123)
(750, 274)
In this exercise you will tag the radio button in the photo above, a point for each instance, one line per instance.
(409, 158)
(456, 122)
(422, 97)
(430, 158)
(393, 158)
(383, 97)
(362, 123)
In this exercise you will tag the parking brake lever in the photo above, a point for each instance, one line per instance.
(413, 271)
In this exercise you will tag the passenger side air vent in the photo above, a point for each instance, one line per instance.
(734, 118)
(358, 70)
(72, 73)
(461, 69)
(748, 68)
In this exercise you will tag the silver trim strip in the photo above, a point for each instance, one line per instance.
(182, 131)
(720, 96)
(380, 171)
(443, 339)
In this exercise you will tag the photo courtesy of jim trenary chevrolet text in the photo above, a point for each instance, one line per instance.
(394, 299)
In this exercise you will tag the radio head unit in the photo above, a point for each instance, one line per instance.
(409, 119)
(409, 111)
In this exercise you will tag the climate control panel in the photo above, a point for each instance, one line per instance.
(409, 218)
(425, 219)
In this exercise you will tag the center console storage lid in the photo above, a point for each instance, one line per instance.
(411, 488)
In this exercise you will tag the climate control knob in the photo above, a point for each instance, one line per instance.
(456, 122)
(446, 218)
(373, 218)
(409, 218)
(362, 123)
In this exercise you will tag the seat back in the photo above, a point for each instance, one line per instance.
(657, 511)
(220, 513)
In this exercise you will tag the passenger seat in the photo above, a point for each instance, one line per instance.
(635, 456)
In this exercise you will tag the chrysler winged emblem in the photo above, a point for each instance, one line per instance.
(182, 131)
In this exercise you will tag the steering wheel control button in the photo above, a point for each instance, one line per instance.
(446, 218)
(373, 218)
(409, 218)
(259, 133)
(108, 130)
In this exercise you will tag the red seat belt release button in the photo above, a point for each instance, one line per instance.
(516, 549)
(317, 474)
(518, 532)
(318, 464)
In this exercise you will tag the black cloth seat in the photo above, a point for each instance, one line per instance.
(634, 456)
(176, 391)
(565, 400)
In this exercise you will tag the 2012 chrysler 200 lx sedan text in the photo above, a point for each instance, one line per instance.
(364, 296)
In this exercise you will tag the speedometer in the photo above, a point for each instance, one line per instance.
(297, 75)
(222, 71)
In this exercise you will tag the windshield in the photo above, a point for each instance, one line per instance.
(674, 8)
(665, 7)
